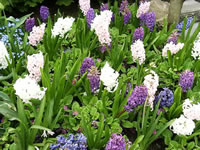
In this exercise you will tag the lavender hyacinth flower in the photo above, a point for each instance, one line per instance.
(173, 38)
(86, 65)
(104, 7)
(123, 5)
(186, 80)
(138, 34)
(90, 16)
(127, 15)
(180, 25)
(166, 98)
(116, 142)
(29, 24)
(44, 13)
(138, 97)
(125, 11)
(149, 19)
(94, 78)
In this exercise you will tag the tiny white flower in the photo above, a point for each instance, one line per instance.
(46, 133)
(109, 77)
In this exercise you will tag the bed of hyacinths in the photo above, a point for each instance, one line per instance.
(109, 79)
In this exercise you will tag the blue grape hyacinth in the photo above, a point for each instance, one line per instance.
(72, 142)
(180, 25)
(166, 98)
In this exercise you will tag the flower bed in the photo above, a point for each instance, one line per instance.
(109, 79)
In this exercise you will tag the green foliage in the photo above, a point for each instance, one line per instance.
(24, 5)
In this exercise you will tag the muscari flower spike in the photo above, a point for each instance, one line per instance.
(166, 98)
(180, 25)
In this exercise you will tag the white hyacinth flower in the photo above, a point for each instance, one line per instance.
(182, 126)
(101, 26)
(138, 51)
(196, 48)
(27, 89)
(109, 77)
(62, 26)
(34, 64)
(36, 35)
(4, 56)
(151, 81)
(84, 6)
(191, 111)
(143, 8)
(173, 48)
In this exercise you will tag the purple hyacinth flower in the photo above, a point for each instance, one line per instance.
(186, 80)
(29, 24)
(94, 78)
(138, 97)
(173, 38)
(104, 7)
(180, 25)
(123, 5)
(90, 16)
(116, 142)
(44, 13)
(149, 19)
(138, 34)
(86, 65)
(126, 15)
(166, 98)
